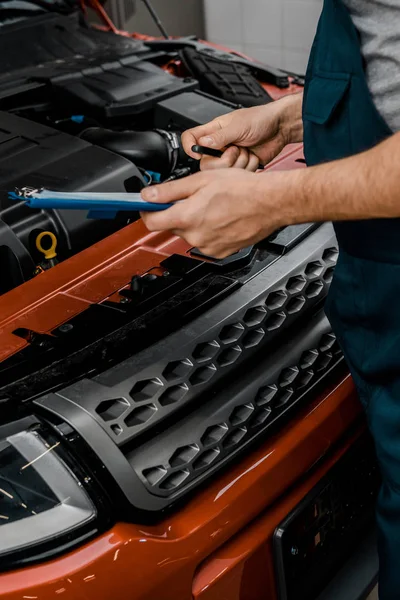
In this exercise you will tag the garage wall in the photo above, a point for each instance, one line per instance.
(180, 17)
(278, 32)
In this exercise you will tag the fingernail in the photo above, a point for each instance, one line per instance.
(207, 141)
(149, 194)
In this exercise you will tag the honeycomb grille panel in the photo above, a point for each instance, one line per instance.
(162, 387)
(244, 421)
(109, 410)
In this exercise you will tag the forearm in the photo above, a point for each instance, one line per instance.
(363, 186)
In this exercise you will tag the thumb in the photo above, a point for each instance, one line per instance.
(226, 136)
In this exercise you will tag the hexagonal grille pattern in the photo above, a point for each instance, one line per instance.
(184, 455)
(175, 480)
(275, 321)
(140, 415)
(314, 289)
(206, 459)
(296, 284)
(229, 356)
(266, 394)
(109, 410)
(206, 351)
(203, 374)
(330, 256)
(173, 394)
(231, 333)
(179, 379)
(214, 434)
(253, 338)
(314, 269)
(276, 299)
(144, 390)
(177, 369)
(245, 420)
(241, 414)
(255, 316)
(328, 275)
(295, 304)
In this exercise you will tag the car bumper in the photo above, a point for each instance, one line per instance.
(220, 542)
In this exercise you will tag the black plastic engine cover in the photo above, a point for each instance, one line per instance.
(118, 88)
(35, 155)
(224, 78)
(49, 44)
(63, 60)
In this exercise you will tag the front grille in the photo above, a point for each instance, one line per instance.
(148, 388)
(172, 415)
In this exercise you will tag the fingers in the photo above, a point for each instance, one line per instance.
(178, 217)
(174, 190)
(227, 160)
(170, 219)
(253, 163)
(242, 160)
(233, 157)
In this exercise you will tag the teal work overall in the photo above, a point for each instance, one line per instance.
(340, 119)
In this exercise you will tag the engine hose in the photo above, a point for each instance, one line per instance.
(159, 151)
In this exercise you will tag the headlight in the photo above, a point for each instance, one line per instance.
(41, 499)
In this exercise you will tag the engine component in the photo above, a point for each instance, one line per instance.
(189, 110)
(49, 254)
(74, 63)
(225, 79)
(40, 156)
(261, 71)
(131, 87)
(51, 45)
(158, 151)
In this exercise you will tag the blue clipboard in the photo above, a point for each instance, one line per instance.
(100, 205)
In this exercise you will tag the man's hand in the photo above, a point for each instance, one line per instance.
(226, 210)
(249, 136)
(221, 211)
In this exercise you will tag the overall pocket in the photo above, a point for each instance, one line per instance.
(326, 117)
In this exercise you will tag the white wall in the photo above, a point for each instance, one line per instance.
(180, 17)
(278, 32)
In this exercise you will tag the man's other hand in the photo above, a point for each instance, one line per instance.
(220, 212)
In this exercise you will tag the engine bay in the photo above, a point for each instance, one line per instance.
(85, 109)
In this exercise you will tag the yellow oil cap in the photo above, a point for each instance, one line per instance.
(50, 252)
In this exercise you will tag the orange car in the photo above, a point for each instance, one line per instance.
(174, 427)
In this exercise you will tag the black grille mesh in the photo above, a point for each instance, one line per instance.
(244, 421)
(147, 400)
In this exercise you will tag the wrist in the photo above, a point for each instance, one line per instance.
(282, 198)
(291, 122)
